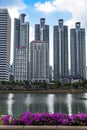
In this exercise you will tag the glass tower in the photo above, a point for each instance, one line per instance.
(78, 54)
(42, 31)
(5, 41)
(60, 45)
(21, 48)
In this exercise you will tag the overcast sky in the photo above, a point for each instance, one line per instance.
(70, 10)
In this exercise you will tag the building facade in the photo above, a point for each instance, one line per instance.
(86, 72)
(60, 47)
(50, 74)
(78, 54)
(21, 64)
(21, 49)
(42, 31)
(42, 34)
(5, 41)
(39, 61)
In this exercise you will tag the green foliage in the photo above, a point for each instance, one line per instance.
(55, 85)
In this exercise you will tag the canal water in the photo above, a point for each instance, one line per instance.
(16, 104)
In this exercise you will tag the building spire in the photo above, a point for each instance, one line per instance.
(22, 18)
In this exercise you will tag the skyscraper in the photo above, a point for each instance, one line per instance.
(78, 56)
(39, 61)
(21, 48)
(41, 42)
(42, 31)
(5, 41)
(60, 45)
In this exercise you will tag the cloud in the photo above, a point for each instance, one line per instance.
(77, 8)
(12, 3)
(45, 7)
(14, 6)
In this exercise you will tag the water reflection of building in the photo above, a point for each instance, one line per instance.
(50, 103)
(10, 103)
(19, 108)
(60, 104)
(35, 103)
(69, 103)
(3, 103)
(77, 103)
(85, 101)
(38, 107)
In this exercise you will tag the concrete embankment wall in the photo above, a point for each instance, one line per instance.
(2, 127)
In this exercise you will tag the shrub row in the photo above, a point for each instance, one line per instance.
(29, 118)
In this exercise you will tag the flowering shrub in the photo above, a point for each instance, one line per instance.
(5, 119)
(29, 118)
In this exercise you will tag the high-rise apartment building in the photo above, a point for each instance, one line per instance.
(41, 49)
(5, 41)
(60, 45)
(42, 31)
(39, 61)
(78, 55)
(21, 48)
